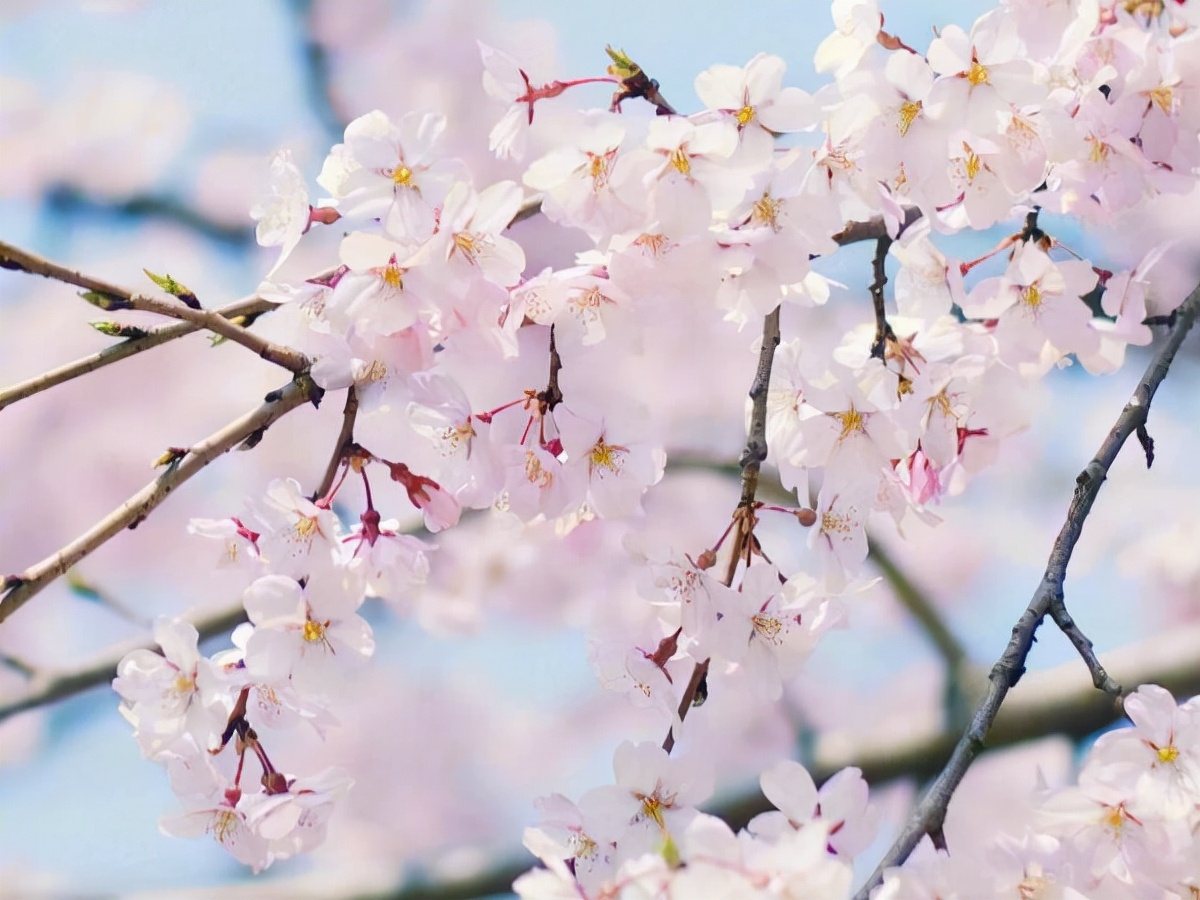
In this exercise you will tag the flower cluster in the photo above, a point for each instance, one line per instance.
(482, 385)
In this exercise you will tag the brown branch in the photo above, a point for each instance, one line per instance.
(883, 331)
(14, 258)
(1083, 645)
(344, 439)
(20, 588)
(751, 460)
(247, 307)
(46, 687)
(930, 813)
(873, 229)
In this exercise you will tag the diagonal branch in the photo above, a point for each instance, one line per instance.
(21, 260)
(49, 687)
(751, 462)
(247, 307)
(930, 813)
(20, 588)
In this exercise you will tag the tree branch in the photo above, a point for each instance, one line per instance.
(930, 812)
(883, 331)
(751, 460)
(20, 588)
(49, 687)
(344, 438)
(15, 258)
(247, 307)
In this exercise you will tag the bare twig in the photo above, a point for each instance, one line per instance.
(873, 229)
(20, 588)
(751, 461)
(883, 331)
(1100, 678)
(344, 439)
(15, 258)
(930, 813)
(247, 307)
(49, 687)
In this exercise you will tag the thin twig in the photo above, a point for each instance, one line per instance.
(344, 439)
(20, 588)
(930, 813)
(1083, 645)
(21, 260)
(873, 229)
(46, 687)
(751, 460)
(883, 331)
(248, 307)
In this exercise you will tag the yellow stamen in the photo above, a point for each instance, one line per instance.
(908, 112)
(393, 276)
(402, 176)
(535, 472)
(606, 456)
(977, 74)
(184, 684)
(376, 371)
(223, 825)
(468, 243)
(768, 627)
(852, 421)
(1100, 150)
(766, 212)
(652, 245)
(598, 169)
(1031, 296)
(1168, 754)
(1164, 98)
(744, 116)
(973, 163)
(313, 631)
(652, 808)
(835, 523)
(306, 527)
(941, 401)
(679, 159)
(1152, 8)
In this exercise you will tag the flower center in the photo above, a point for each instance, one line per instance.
(766, 212)
(744, 116)
(313, 631)
(606, 456)
(402, 176)
(852, 421)
(977, 74)
(908, 112)
(679, 159)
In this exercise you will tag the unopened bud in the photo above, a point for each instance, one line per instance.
(707, 560)
(806, 517)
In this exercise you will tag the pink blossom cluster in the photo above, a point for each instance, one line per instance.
(482, 385)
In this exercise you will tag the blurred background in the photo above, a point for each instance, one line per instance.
(138, 134)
